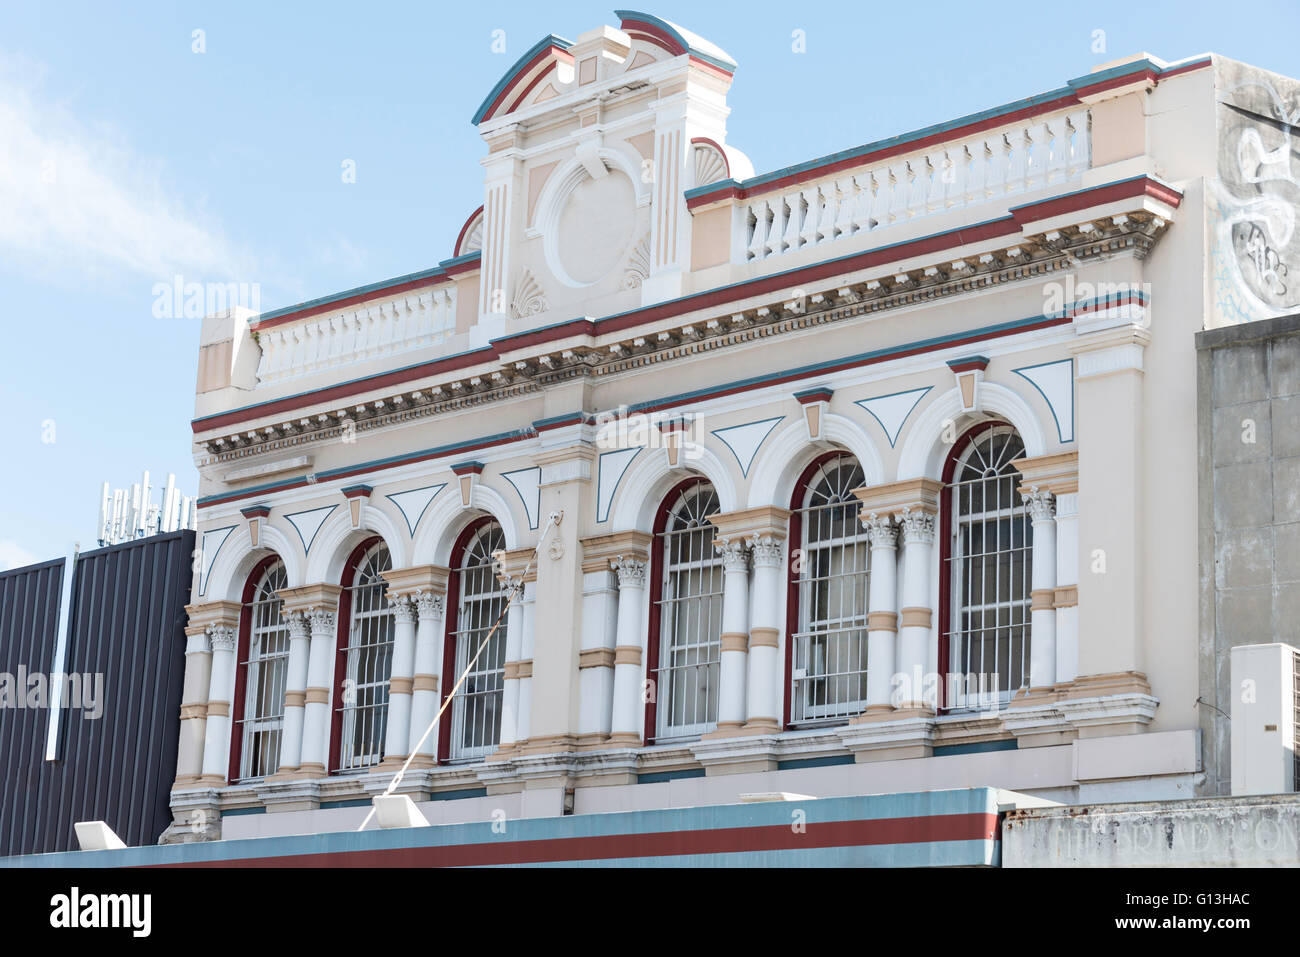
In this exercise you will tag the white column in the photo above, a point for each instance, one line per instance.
(1067, 584)
(916, 617)
(734, 656)
(625, 725)
(216, 742)
(510, 687)
(528, 609)
(1042, 628)
(882, 615)
(424, 684)
(596, 656)
(400, 679)
(763, 707)
(295, 691)
(316, 717)
(194, 706)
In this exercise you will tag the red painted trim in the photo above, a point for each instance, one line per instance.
(794, 538)
(1009, 225)
(655, 593)
(450, 622)
(454, 363)
(464, 230)
(877, 832)
(343, 625)
(1115, 82)
(945, 532)
(504, 95)
(640, 30)
(696, 140)
(241, 668)
(349, 301)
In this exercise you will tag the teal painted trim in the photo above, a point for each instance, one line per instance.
(600, 472)
(901, 139)
(355, 802)
(203, 578)
(919, 393)
(457, 795)
(745, 466)
(979, 800)
(347, 382)
(830, 761)
(820, 367)
(411, 526)
(659, 777)
(1060, 432)
(427, 453)
(979, 747)
(724, 63)
(306, 545)
(550, 40)
(242, 811)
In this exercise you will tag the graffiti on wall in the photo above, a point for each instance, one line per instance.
(1253, 202)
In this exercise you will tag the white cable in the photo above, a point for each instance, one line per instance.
(552, 520)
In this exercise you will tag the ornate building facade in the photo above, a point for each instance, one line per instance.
(873, 474)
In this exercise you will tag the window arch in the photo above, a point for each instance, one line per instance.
(826, 658)
(257, 721)
(987, 560)
(476, 599)
(684, 649)
(365, 660)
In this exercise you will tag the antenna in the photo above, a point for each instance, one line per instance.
(131, 513)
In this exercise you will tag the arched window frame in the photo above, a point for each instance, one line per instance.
(342, 643)
(492, 660)
(238, 703)
(654, 649)
(794, 587)
(949, 597)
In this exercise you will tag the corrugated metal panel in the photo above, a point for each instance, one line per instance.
(127, 626)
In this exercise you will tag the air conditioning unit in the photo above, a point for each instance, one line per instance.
(1265, 705)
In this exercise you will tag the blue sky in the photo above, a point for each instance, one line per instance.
(126, 159)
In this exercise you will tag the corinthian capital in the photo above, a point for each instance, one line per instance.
(735, 555)
(222, 637)
(1042, 505)
(297, 622)
(918, 527)
(403, 608)
(881, 530)
(322, 620)
(631, 571)
(430, 605)
(766, 550)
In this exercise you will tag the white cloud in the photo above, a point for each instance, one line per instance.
(75, 195)
(12, 555)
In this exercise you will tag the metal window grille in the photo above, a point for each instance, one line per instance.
(989, 573)
(476, 710)
(266, 671)
(369, 662)
(829, 666)
(690, 617)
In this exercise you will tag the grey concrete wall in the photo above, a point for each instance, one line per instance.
(1249, 458)
(1206, 832)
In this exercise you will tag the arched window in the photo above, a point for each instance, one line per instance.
(685, 646)
(828, 653)
(989, 546)
(478, 598)
(366, 659)
(263, 670)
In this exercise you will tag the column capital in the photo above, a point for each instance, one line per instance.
(735, 554)
(222, 637)
(403, 608)
(430, 605)
(297, 622)
(881, 530)
(416, 581)
(896, 499)
(917, 526)
(599, 551)
(766, 550)
(204, 616)
(631, 571)
(765, 522)
(1057, 473)
(310, 598)
(1042, 505)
